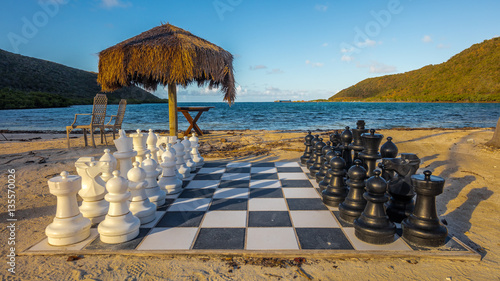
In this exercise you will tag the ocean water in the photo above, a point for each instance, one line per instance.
(271, 116)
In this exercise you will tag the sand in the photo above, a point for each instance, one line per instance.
(470, 205)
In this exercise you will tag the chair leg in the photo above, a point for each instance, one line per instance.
(67, 136)
(85, 137)
(114, 137)
(92, 135)
(103, 133)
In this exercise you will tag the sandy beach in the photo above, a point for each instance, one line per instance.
(470, 205)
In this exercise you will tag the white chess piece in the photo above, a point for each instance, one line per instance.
(69, 226)
(139, 140)
(187, 155)
(153, 191)
(151, 142)
(108, 163)
(169, 180)
(125, 153)
(120, 225)
(180, 163)
(93, 189)
(160, 141)
(140, 205)
(195, 153)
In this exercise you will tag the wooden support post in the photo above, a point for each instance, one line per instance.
(172, 108)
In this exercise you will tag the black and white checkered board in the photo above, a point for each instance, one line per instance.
(246, 207)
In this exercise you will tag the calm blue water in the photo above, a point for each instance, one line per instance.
(273, 116)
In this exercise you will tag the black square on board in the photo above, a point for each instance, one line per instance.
(269, 219)
(228, 204)
(296, 183)
(197, 193)
(215, 165)
(181, 219)
(129, 245)
(289, 170)
(220, 238)
(234, 184)
(323, 238)
(238, 170)
(264, 176)
(266, 193)
(305, 204)
(207, 177)
(167, 204)
(263, 164)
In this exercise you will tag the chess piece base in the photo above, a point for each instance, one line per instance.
(378, 233)
(67, 231)
(95, 211)
(333, 199)
(427, 237)
(119, 229)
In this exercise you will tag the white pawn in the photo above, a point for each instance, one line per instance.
(93, 189)
(108, 163)
(140, 206)
(187, 155)
(139, 140)
(159, 144)
(195, 153)
(180, 163)
(125, 153)
(69, 226)
(169, 180)
(151, 142)
(120, 225)
(153, 191)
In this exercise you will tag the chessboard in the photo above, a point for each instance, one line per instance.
(242, 208)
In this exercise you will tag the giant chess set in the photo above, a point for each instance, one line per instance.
(157, 195)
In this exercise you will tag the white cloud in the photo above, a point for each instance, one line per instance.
(324, 45)
(367, 43)
(108, 4)
(378, 67)
(346, 58)
(442, 46)
(257, 67)
(314, 64)
(321, 7)
(346, 50)
(426, 39)
(275, 71)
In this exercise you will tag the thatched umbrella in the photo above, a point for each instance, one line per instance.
(170, 56)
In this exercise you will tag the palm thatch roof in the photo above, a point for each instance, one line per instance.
(166, 55)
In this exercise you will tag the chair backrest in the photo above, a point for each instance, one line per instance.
(121, 113)
(99, 109)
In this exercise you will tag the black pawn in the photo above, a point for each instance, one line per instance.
(346, 138)
(310, 162)
(335, 139)
(326, 180)
(320, 175)
(354, 204)
(336, 191)
(388, 150)
(370, 154)
(357, 141)
(422, 227)
(318, 155)
(373, 225)
(309, 149)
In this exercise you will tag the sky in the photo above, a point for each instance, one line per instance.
(288, 50)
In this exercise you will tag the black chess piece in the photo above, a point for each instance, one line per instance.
(310, 162)
(354, 204)
(320, 175)
(318, 155)
(326, 180)
(346, 138)
(335, 139)
(336, 191)
(370, 154)
(309, 149)
(422, 227)
(357, 142)
(373, 225)
(400, 170)
(388, 150)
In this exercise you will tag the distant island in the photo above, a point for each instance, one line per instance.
(473, 75)
(27, 82)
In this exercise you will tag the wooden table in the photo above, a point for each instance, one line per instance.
(200, 109)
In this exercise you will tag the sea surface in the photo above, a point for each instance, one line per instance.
(271, 116)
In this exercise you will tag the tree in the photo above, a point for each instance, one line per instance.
(495, 141)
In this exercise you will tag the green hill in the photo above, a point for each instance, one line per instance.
(27, 82)
(473, 75)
